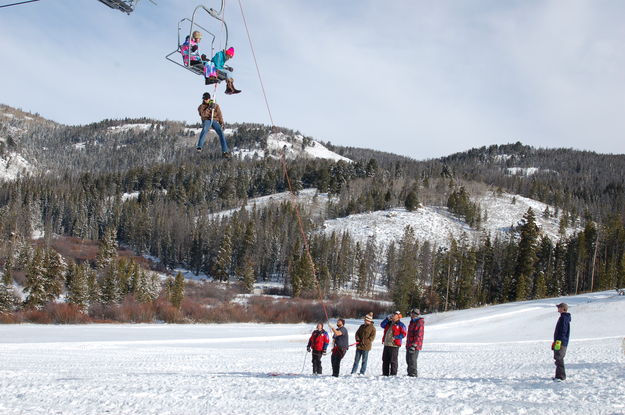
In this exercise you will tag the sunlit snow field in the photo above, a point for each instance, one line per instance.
(481, 361)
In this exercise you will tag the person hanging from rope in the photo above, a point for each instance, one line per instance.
(318, 343)
(221, 69)
(210, 113)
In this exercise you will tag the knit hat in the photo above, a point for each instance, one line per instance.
(230, 51)
(398, 313)
(206, 95)
(369, 317)
(197, 35)
(564, 306)
(415, 311)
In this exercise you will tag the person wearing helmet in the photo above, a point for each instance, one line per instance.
(210, 113)
(219, 62)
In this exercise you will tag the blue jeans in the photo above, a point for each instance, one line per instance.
(206, 125)
(365, 355)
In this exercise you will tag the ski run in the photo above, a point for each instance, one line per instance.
(491, 360)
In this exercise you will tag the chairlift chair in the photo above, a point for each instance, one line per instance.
(193, 25)
(121, 5)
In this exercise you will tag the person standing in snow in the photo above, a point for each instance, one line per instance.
(561, 340)
(394, 332)
(318, 343)
(210, 113)
(364, 337)
(414, 341)
(341, 344)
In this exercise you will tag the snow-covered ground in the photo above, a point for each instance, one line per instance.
(492, 360)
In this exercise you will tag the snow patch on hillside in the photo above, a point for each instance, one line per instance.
(127, 127)
(307, 197)
(430, 223)
(293, 147)
(13, 165)
(437, 224)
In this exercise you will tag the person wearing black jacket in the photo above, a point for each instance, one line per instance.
(561, 340)
(341, 344)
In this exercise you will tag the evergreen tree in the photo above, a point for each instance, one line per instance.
(93, 288)
(177, 291)
(108, 248)
(55, 269)
(78, 290)
(8, 298)
(7, 276)
(35, 284)
(406, 291)
(412, 201)
(111, 293)
(224, 258)
(527, 256)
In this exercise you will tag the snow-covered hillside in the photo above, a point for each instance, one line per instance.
(436, 224)
(293, 147)
(492, 360)
(13, 165)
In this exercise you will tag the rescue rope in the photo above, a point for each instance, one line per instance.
(286, 172)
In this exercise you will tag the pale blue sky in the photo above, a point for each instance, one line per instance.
(413, 77)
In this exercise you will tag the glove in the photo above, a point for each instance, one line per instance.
(230, 69)
(557, 345)
(411, 349)
(308, 349)
(389, 317)
(324, 352)
(553, 344)
(204, 58)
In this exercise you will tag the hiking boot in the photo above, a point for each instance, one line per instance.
(230, 89)
(226, 155)
(198, 149)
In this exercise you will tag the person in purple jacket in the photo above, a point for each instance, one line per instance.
(561, 340)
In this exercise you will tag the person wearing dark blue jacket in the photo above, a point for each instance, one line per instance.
(561, 340)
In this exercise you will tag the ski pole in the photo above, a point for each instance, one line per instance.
(304, 364)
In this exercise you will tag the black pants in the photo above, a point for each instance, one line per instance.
(316, 361)
(337, 356)
(558, 355)
(389, 360)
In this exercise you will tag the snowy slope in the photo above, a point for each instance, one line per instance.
(493, 360)
(13, 165)
(436, 224)
(293, 147)
(308, 197)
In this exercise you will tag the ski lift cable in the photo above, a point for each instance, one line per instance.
(18, 3)
(286, 172)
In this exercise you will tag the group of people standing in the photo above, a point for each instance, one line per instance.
(394, 333)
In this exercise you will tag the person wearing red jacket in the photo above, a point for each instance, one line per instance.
(318, 343)
(414, 341)
(394, 332)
